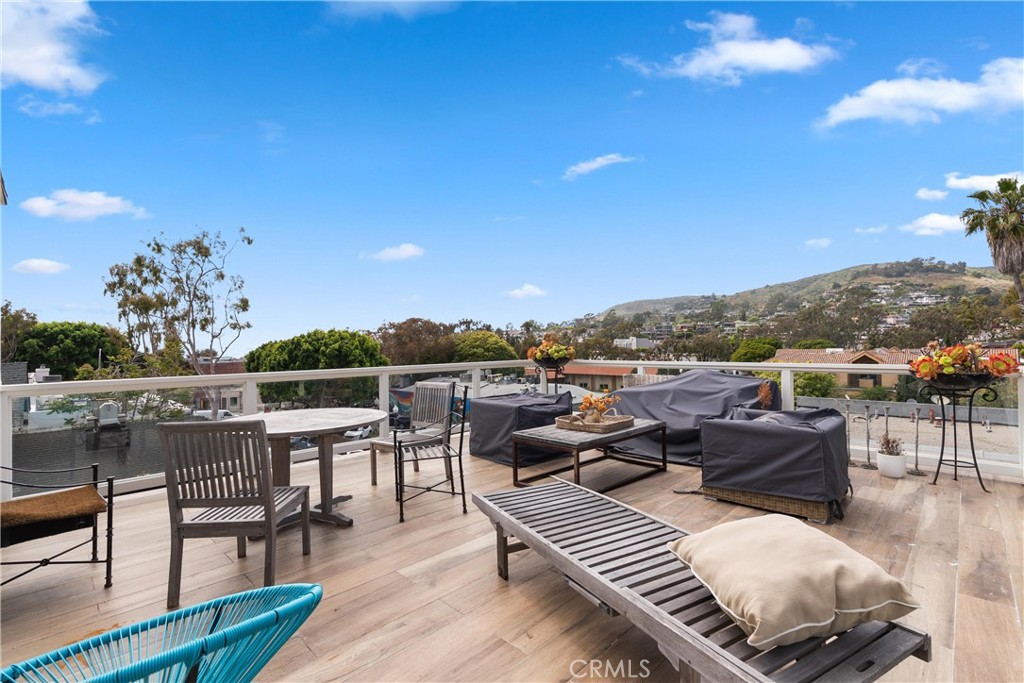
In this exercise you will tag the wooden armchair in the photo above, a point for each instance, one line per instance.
(62, 508)
(218, 473)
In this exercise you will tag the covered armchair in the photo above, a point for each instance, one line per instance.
(683, 403)
(794, 462)
(497, 417)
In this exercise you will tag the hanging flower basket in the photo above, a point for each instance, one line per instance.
(961, 381)
(551, 363)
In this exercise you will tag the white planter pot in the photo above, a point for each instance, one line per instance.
(894, 466)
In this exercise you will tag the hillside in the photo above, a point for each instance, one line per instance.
(919, 274)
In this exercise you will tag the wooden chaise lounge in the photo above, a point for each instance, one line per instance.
(616, 556)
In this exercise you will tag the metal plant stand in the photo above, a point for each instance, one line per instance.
(557, 365)
(953, 389)
(917, 471)
(867, 436)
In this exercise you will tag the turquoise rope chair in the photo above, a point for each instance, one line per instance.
(227, 639)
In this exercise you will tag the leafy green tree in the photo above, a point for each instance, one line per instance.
(875, 394)
(756, 349)
(181, 290)
(417, 341)
(1001, 218)
(481, 345)
(819, 384)
(816, 384)
(13, 326)
(814, 344)
(318, 350)
(64, 346)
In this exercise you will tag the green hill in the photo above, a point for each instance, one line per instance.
(926, 275)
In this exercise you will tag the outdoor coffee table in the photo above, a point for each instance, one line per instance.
(550, 436)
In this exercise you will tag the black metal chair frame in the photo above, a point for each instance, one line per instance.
(35, 530)
(417, 452)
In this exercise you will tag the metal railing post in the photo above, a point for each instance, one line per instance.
(250, 397)
(6, 441)
(476, 383)
(384, 400)
(788, 391)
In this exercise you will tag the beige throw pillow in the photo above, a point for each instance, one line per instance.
(782, 581)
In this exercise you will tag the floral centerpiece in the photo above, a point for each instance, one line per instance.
(961, 364)
(599, 404)
(596, 414)
(551, 353)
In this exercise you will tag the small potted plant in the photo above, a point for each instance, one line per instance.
(892, 461)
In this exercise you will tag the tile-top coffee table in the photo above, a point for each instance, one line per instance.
(576, 442)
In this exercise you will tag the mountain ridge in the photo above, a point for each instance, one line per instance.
(928, 274)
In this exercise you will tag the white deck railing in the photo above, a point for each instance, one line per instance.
(250, 396)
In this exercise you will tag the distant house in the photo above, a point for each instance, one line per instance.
(862, 380)
(633, 343)
(596, 378)
(230, 397)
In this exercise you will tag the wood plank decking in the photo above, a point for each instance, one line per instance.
(422, 600)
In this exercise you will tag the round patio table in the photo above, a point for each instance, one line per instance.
(325, 424)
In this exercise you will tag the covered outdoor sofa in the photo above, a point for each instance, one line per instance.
(790, 461)
(683, 403)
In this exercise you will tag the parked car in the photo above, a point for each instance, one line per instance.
(208, 414)
(359, 432)
(299, 442)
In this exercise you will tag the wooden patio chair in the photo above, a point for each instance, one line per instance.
(62, 508)
(431, 407)
(218, 473)
(417, 450)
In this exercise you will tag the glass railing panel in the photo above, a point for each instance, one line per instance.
(918, 423)
(115, 430)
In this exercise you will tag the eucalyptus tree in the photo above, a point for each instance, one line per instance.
(1000, 218)
(182, 290)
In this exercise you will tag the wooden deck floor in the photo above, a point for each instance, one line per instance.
(421, 601)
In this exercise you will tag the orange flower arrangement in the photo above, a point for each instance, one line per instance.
(598, 403)
(964, 359)
(551, 349)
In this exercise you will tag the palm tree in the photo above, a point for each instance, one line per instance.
(1000, 218)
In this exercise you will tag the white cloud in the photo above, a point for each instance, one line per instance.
(934, 224)
(37, 108)
(923, 67)
(271, 131)
(979, 182)
(873, 230)
(585, 167)
(819, 243)
(508, 219)
(927, 195)
(914, 100)
(41, 46)
(79, 205)
(526, 290)
(736, 51)
(376, 9)
(39, 266)
(401, 252)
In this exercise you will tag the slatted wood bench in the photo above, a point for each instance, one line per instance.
(616, 556)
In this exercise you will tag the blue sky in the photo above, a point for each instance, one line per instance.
(496, 161)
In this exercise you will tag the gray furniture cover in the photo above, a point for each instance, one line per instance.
(797, 454)
(683, 403)
(494, 419)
